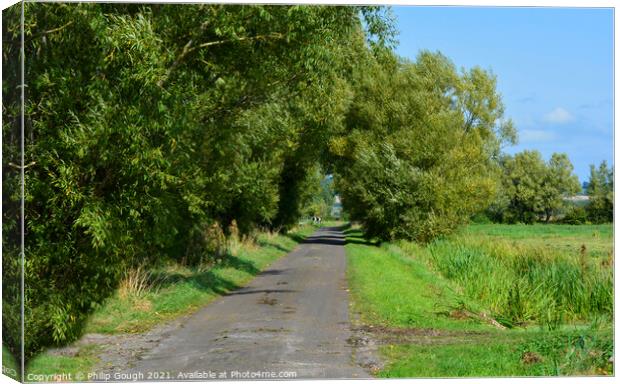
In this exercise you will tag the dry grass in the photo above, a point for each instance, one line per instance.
(235, 244)
(137, 282)
(270, 235)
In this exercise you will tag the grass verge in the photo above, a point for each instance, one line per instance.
(541, 353)
(390, 289)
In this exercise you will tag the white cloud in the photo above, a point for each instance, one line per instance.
(558, 116)
(535, 135)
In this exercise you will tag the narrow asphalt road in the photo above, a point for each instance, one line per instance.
(292, 319)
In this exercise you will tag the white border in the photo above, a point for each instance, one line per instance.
(475, 3)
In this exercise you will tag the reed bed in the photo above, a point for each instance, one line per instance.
(524, 284)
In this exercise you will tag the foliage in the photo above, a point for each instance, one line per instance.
(167, 134)
(532, 189)
(418, 157)
(575, 215)
(318, 195)
(601, 193)
(11, 204)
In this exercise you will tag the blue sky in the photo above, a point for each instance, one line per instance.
(554, 68)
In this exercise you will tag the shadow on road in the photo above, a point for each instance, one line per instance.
(255, 291)
(273, 272)
(329, 240)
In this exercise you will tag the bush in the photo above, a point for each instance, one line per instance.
(575, 215)
(207, 242)
(481, 218)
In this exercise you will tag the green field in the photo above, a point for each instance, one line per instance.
(498, 300)
(158, 295)
(569, 239)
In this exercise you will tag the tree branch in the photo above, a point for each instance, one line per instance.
(20, 167)
(273, 35)
(187, 49)
(40, 34)
(177, 62)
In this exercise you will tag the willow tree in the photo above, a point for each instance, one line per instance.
(420, 153)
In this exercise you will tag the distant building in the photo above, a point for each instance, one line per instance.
(577, 198)
(337, 207)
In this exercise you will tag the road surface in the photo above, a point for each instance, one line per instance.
(291, 321)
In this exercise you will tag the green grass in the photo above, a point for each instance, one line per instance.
(568, 239)
(559, 300)
(174, 290)
(9, 364)
(74, 368)
(388, 288)
(525, 274)
(520, 354)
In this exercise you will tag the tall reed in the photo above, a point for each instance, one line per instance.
(525, 284)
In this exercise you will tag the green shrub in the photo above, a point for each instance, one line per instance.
(575, 215)
(481, 218)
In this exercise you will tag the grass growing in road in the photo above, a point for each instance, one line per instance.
(554, 297)
(148, 297)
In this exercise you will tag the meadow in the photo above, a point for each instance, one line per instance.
(537, 298)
